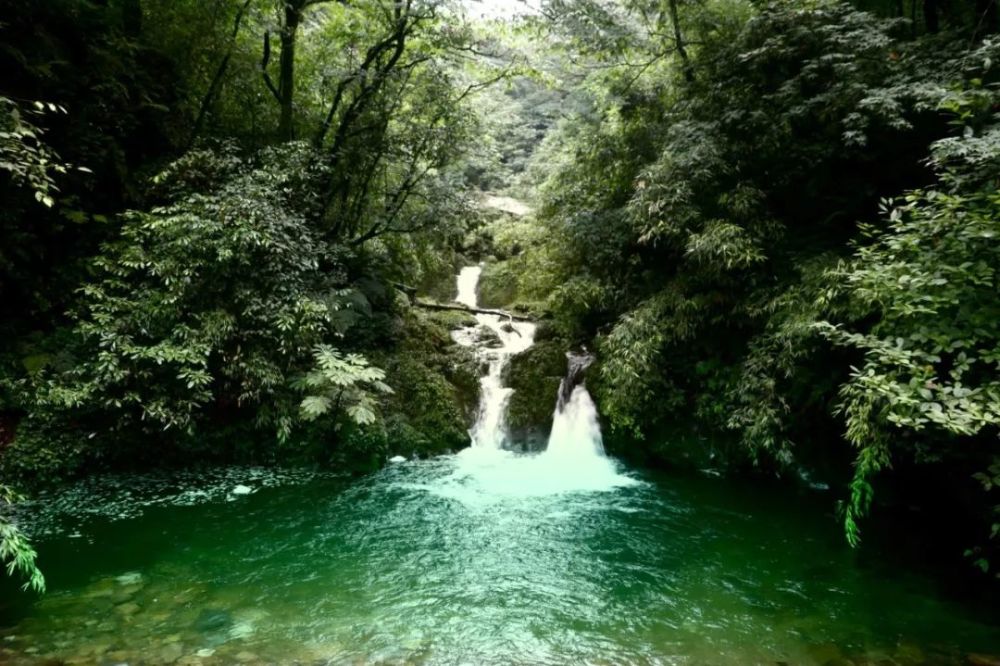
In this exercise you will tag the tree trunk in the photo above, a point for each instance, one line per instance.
(463, 308)
(679, 40)
(213, 88)
(286, 80)
(132, 18)
(931, 19)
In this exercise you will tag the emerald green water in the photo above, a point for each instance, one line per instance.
(461, 561)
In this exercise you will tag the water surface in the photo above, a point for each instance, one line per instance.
(471, 559)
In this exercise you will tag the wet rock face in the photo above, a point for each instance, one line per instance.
(487, 337)
(535, 377)
(577, 365)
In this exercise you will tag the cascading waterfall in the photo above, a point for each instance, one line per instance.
(490, 429)
(487, 472)
(576, 432)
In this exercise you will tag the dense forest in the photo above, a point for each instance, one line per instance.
(230, 232)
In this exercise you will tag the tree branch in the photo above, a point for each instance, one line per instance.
(213, 88)
(263, 67)
(462, 308)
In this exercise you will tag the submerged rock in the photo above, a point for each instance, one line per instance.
(130, 578)
(128, 609)
(102, 588)
(126, 593)
(240, 630)
(978, 659)
(213, 619)
(170, 653)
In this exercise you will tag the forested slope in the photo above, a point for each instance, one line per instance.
(774, 222)
(208, 211)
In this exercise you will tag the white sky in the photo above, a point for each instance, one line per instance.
(500, 8)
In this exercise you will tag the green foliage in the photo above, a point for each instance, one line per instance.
(15, 551)
(697, 205)
(930, 276)
(24, 155)
(212, 302)
(930, 362)
(342, 382)
(782, 366)
(638, 342)
(931, 359)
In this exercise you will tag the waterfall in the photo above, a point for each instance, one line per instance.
(490, 429)
(576, 432)
(574, 461)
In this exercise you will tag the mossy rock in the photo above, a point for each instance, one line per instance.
(535, 376)
(436, 383)
(426, 414)
(488, 338)
(452, 320)
(498, 285)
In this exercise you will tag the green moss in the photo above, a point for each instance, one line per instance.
(451, 319)
(436, 388)
(535, 376)
(426, 412)
(498, 285)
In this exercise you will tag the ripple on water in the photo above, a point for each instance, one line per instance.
(502, 559)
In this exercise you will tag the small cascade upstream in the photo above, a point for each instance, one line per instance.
(490, 430)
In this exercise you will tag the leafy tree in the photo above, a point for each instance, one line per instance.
(212, 302)
(931, 275)
(15, 550)
(26, 158)
(697, 208)
(342, 382)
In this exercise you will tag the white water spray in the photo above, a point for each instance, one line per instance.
(576, 432)
(486, 473)
(576, 448)
(490, 430)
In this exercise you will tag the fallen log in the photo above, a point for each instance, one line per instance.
(455, 307)
(411, 292)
